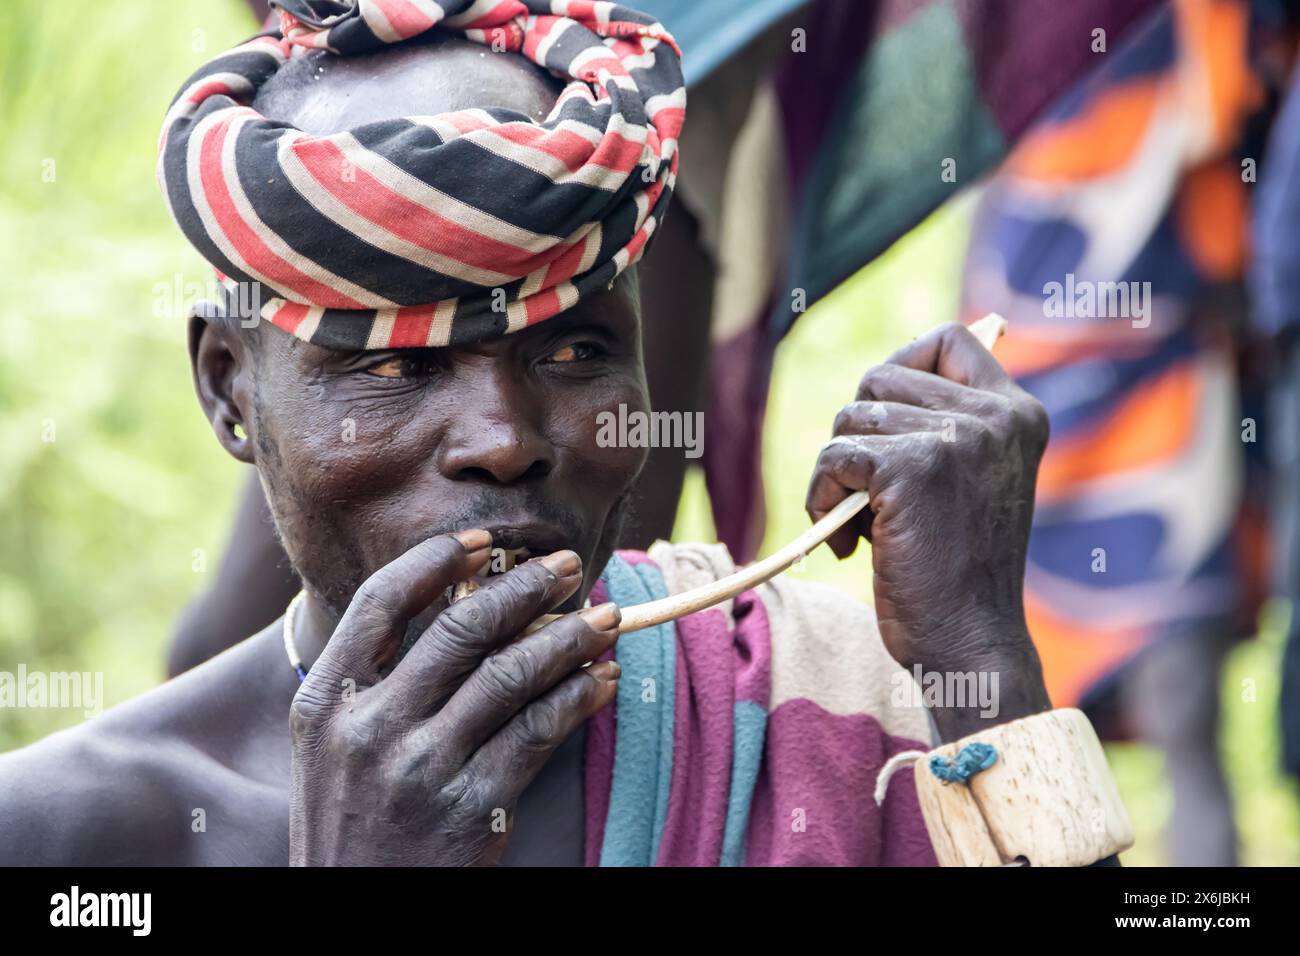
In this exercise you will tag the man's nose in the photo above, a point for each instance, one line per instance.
(495, 441)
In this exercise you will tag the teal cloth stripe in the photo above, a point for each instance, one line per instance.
(643, 738)
(747, 741)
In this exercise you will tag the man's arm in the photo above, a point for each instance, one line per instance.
(948, 447)
(81, 799)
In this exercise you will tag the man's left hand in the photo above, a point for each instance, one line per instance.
(947, 446)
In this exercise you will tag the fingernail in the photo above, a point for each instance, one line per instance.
(476, 539)
(603, 616)
(605, 671)
(562, 563)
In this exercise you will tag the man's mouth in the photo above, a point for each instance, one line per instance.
(503, 560)
(514, 544)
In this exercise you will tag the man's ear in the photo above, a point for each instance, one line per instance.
(222, 365)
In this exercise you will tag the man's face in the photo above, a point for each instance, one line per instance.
(365, 454)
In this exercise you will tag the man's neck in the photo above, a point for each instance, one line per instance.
(312, 630)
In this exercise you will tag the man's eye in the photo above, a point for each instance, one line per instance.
(572, 353)
(400, 367)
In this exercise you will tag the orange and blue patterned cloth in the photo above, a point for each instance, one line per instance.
(1133, 188)
(872, 98)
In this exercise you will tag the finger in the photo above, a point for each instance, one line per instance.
(462, 635)
(909, 386)
(376, 621)
(890, 418)
(510, 761)
(509, 680)
(952, 352)
(850, 463)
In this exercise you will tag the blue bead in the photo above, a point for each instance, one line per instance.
(969, 761)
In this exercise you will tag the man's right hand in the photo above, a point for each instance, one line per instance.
(425, 764)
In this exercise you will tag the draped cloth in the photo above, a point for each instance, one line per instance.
(866, 116)
(430, 230)
(750, 733)
(1131, 191)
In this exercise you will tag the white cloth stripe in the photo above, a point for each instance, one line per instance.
(272, 306)
(516, 316)
(589, 133)
(483, 116)
(447, 131)
(183, 107)
(199, 198)
(378, 23)
(621, 80)
(377, 236)
(552, 167)
(642, 208)
(433, 11)
(440, 203)
(639, 61)
(533, 283)
(472, 12)
(594, 239)
(310, 323)
(440, 327)
(551, 38)
(381, 330)
(567, 293)
(674, 100)
(633, 133)
(591, 54)
(271, 238)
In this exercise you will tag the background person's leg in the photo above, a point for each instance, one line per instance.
(1171, 695)
(1284, 459)
(676, 302)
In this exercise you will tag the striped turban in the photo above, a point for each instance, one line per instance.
(430, 230)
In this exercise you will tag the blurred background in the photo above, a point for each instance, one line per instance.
(116, 502)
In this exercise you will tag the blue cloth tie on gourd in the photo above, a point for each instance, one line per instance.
(969, 761)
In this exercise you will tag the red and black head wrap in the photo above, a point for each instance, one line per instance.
(431, 230)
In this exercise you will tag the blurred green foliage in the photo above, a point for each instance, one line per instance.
(113, 495)
(115, 499)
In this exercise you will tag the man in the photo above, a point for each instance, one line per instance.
(797, 177)
(379, 723)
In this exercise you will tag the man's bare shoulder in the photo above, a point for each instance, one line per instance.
(158, 778)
